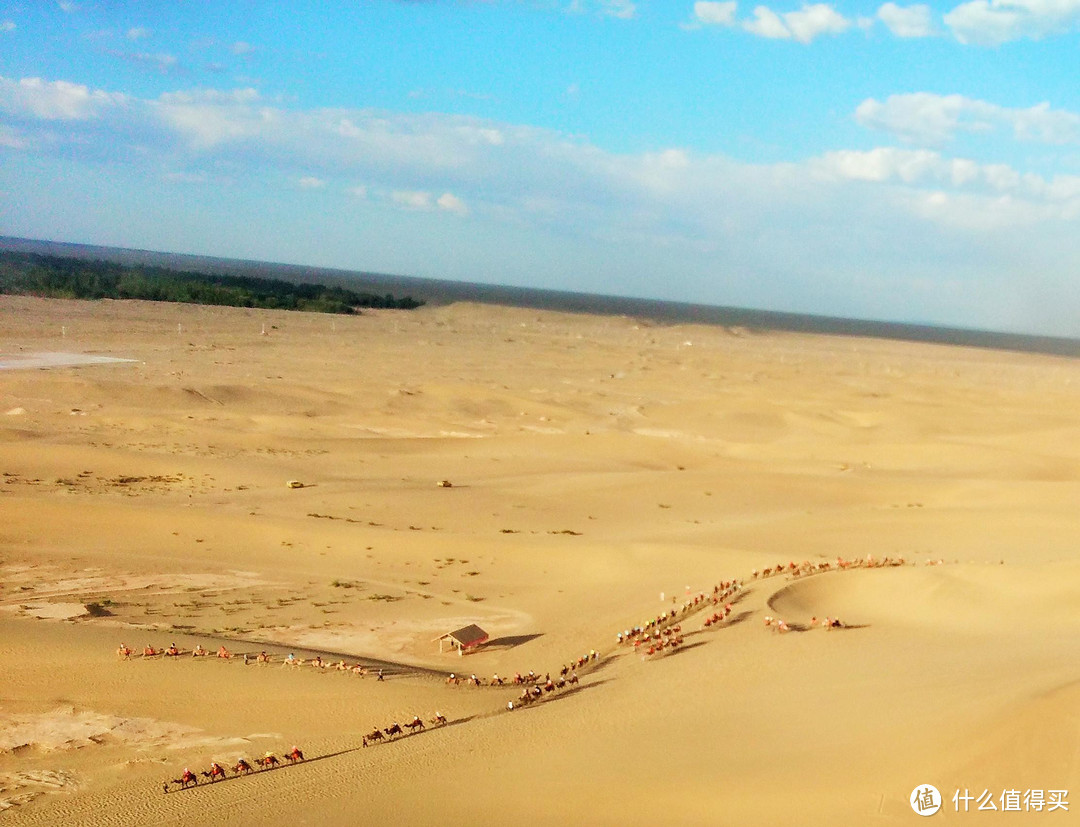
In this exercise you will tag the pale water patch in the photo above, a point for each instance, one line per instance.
(28, 361)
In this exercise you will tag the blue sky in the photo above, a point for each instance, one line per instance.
(913, 163)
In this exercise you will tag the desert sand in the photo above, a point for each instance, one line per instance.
(602, 471)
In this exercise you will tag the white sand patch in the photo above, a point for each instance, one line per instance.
(66, 729)
(48, 581)
(372, 432)
(17, 788)
(47, 611)
(28, 361)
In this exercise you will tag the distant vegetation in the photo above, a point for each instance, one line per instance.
(71, 278)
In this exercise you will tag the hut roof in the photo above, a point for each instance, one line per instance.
(467, 636)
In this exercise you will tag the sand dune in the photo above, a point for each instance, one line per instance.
(602, 470)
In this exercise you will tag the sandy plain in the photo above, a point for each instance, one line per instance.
(603, 470)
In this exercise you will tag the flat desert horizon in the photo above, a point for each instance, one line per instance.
(352, 488)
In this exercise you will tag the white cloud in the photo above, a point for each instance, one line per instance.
(767, 23)
(240, 48)
(138, 33)
(715, 13)
(451, 203)
(907, 21)
(56, 100)
(360, 191)
(310, 182)
(815, 20)
(12, 139)
(934, 120)
(67, 6)
(804, 25)
(7, 26)
(412, 199)
(622, 9)
(990, 22)
(160, 61)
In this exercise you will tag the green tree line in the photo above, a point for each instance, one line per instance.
(69, 278)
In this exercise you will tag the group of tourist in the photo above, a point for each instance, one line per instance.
(809, 567)
(172, 651)
(216, 771)
(124, 652)
(395, 729)
(662, 634)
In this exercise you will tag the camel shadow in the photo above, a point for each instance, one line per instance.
(741, 617)
(686, 646)
(557, 695)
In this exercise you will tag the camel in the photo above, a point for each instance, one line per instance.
(439, 719)
(243, 767)
(415, 724)
(393, 731)
(268, 761)
(262, 658)
(198, 651)
(573, 679)
(317, 662)
(294, 755)
(372, 737)
(149, 651)
(216, 773)
(292, 660)
(222, 652)
(122, 651)
(187, 777)
(358, 670)
(172, 651)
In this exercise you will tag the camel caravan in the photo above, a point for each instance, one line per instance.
(124, 652)
(807, 567)
(216, 772)
(654, 637)
(391, 732)
(663, 633)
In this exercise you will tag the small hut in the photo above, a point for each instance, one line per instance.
(467, 637)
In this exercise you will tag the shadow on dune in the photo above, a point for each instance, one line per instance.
(557, 695)
(741, 617)
(685, 647)
(510, 641)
